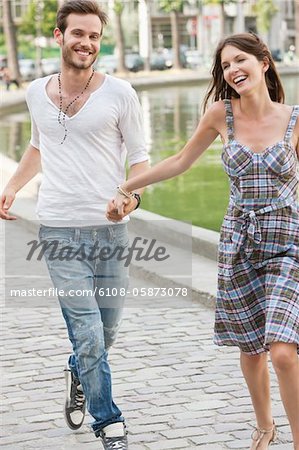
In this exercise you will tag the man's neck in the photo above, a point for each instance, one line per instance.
(73, 80)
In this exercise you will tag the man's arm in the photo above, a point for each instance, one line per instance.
(28, 167)
(130, 203)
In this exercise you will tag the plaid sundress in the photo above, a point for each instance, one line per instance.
(258, 261)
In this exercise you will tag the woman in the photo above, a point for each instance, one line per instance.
(258, 285)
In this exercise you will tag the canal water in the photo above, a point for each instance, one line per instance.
(170, 115)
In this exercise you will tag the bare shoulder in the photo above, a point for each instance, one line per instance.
(283, 109)
(217, 108)
(215, 116)
(286, 111)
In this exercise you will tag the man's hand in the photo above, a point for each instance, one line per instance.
(7, 199)
(119, 207)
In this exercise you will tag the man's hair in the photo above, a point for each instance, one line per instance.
(79, 7)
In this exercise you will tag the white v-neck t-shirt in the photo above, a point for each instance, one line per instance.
(80, 176)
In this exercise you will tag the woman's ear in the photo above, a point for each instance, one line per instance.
(266, 64)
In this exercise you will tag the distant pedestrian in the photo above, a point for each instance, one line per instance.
(8, 81)
(258, 280)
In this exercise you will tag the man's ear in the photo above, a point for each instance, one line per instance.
(58, 36)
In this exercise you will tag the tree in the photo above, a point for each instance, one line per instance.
(47, 22)
(118, 7)
(297, 27)
(265, 10)
(174, 7)
(11, 41)
(145, 32)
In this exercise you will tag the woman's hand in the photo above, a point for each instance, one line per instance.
(119, 207)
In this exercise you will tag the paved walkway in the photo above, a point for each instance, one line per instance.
(176, 389)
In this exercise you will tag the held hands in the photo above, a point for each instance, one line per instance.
(119, 207)
(6, 201)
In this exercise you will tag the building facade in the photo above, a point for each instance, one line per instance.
(201, 24)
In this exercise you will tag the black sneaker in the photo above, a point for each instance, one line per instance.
(114, 437)
(75, 404)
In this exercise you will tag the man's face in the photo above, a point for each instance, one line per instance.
(80, 43)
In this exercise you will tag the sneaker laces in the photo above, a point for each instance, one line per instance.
(79, 397)
(116, 443)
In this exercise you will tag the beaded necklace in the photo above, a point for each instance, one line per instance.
(62, 114)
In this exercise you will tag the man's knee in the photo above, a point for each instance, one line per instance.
(110, 335)
(89, 341)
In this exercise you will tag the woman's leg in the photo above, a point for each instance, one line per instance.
(256, 373)
(286, 364)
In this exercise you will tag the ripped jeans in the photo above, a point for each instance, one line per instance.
(92, 289)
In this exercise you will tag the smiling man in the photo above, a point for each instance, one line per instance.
(81, 120)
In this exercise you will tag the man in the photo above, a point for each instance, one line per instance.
(80, 121)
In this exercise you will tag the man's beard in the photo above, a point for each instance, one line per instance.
(69, 60)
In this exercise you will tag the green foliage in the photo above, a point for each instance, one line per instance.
(218, 2)
(172, 5)
(265, 10)
(48, 9)
(118, 7)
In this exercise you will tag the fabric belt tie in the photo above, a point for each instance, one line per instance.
(253, 227)
(250, 220)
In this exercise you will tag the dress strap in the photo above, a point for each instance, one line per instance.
(229, 118)
(292, 123)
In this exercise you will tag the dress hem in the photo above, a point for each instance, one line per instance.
(265, 348)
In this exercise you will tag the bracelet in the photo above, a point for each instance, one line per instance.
(138, 198)
(124, 193)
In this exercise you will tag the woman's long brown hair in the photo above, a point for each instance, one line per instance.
(248, 43)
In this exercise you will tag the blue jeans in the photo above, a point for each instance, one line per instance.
(91, 295)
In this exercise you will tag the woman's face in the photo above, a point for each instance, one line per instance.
(242, 71)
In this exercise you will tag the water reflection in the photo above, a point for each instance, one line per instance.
(14, 134)
(171, 115)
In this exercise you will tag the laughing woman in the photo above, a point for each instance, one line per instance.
(258, 280)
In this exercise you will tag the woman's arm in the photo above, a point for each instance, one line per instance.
(205, 134)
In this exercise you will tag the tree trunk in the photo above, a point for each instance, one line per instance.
(145, 32)
(147, 59)
(222, 20)
(120, 44)
(297, 27)
(11, 41)
(174, 15)
(240, 19)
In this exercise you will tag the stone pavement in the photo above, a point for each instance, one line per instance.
(176, 389)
